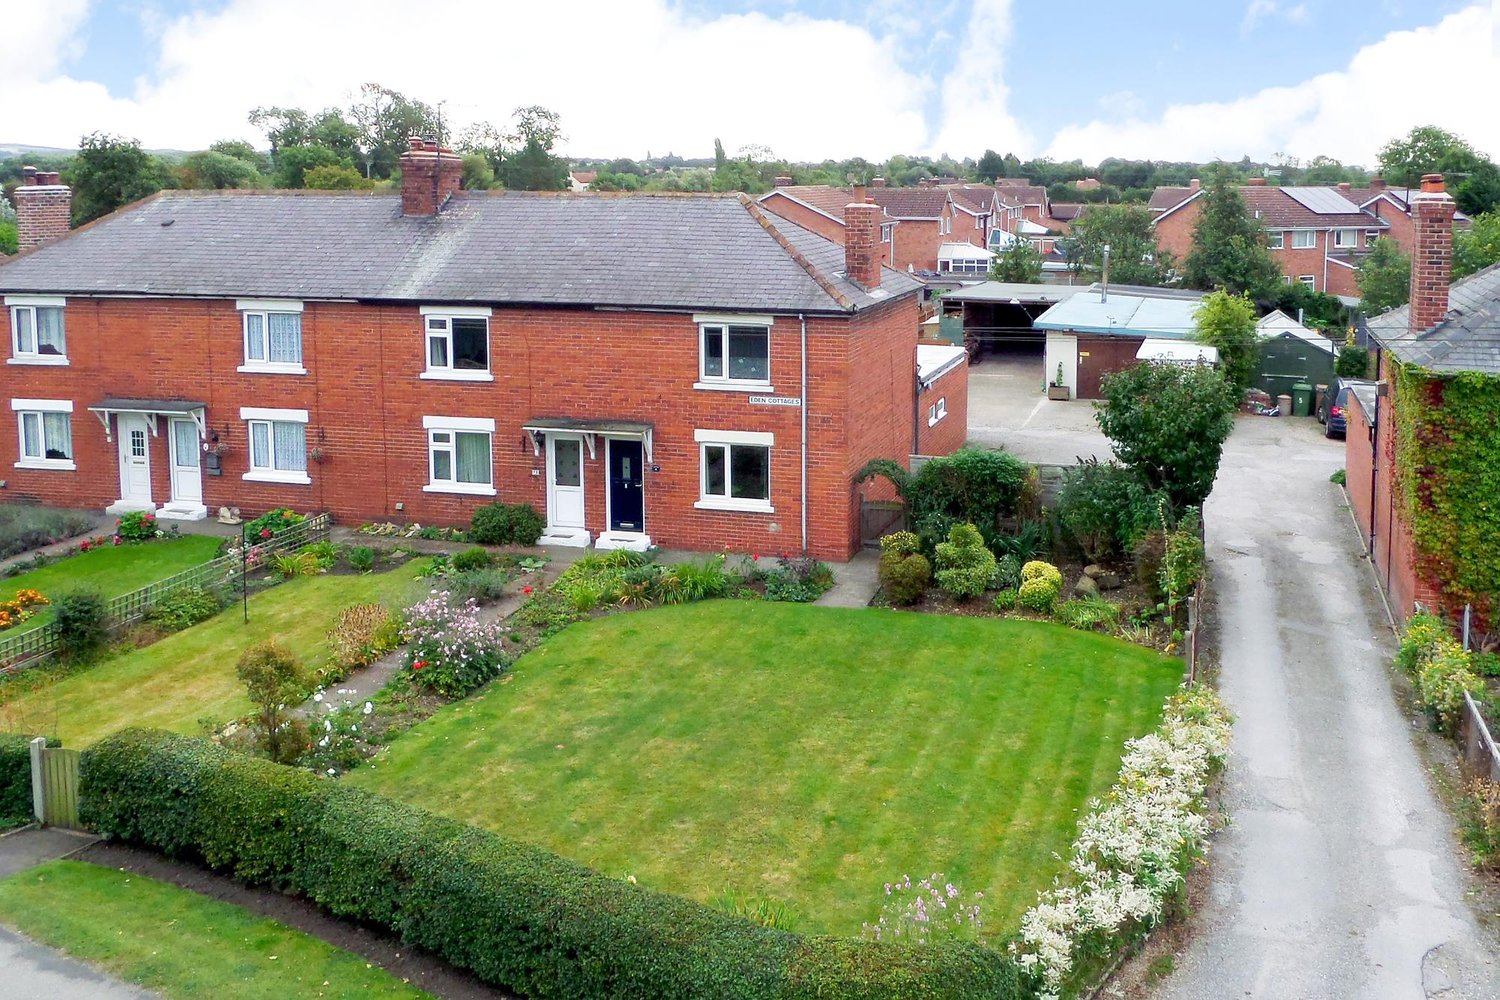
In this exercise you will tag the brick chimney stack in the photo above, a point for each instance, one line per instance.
(1195, 184)
(783, 180)
(878, 182)
(1431, 253)
(430, 175)
(862, 241)
(44, 207)
(1377, 184)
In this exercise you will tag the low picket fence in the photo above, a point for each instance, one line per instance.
(28, 649)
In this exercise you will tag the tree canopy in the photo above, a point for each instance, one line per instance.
(110, 172)
(1229, 247)
(1133, 255)
(1472, 178)
(1021, 263)
(1477, 247)
(1227, 322)
(1384, 278)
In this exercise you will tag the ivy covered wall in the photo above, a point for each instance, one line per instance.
(1448, 481)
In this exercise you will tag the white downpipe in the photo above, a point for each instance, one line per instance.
(802, 318)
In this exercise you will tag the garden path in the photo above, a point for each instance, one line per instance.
(854, 582)
(1339, 875)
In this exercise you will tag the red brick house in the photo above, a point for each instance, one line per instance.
(1443, 332)
(687, 371)
(914, 222)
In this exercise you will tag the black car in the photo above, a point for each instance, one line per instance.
(1331, 413)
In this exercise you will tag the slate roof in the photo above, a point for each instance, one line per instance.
(1468, 338)
(643, 251)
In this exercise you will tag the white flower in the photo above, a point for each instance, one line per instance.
(318, 696)
(369, 707)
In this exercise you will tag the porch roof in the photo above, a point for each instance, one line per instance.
(586, 425)
(114, 405)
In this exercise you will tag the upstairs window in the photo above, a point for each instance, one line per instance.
(1275, 240)
(273, 336)
(1371, 235)
(36, 331)
(887, 231)
(732, 353)
(46, 427)
(1346, 239)
(1304, 239)
(458, 345)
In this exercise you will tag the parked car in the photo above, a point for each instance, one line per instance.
(1331, 413)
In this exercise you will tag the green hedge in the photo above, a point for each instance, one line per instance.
(517, 916)
(15, 779)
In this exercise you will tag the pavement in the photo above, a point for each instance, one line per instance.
(1008, 407)
(1340, 875)
(31, 970)
(854, 582)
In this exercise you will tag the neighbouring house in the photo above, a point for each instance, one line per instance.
(579, 180)
(941, 423)
(683, 370)
(1102, 329)
(914, 222)
(1291, 353)
(978, 211)
(1446, 335)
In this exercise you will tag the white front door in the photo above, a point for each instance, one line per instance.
(564, 481)
(187, 479)
(135, 460)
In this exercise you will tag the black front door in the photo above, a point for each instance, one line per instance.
(627, 499)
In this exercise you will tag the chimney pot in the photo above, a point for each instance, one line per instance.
(783, 180)
(1345, 186)
(1433, 184)
(415, 142)
(1194, 184)
(1377, 184)
(28, 175)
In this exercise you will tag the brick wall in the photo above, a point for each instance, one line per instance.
(1174, 233)
(366, 402)
(916, 244)
(948, 434)
(805, 217)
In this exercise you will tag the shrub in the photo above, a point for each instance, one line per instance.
(1006, 599)
(1352, 362)
(272, 523)
(362, 634)
(361, 558)
(1007, 573)
(480, 585)
(506, 524)
(976, 485)
(1147, 554)
(1039, 570)
(964, 564)
(1031, 541)
(323, 555)
(80, 621)
(700, 581)
(1103, 508)
(183, 607)
(15, 779)
(1480, 822)
(1041, 583)
(136, 526)
(25, 526)
(290, 564)
(275, 683)
(1182, 560)
(901, 543)
(1340, 477)
(1443, 677)
(904, 577)
(516, 916)
(1423, 632)
(474, 558)
(1088, 614)
(451, 649)
(798, 579)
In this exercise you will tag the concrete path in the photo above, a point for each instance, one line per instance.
(854, 582)
(31, 970)
(1007, 408)
(1339, 876)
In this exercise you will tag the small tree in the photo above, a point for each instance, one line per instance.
(1384, 278)
(1477, 247)
(275, 683)
(1169, 424)
(110, 172)
(334, 177)
(1229, 247)
(1227, 322)
(80, 622)
(1020, 263)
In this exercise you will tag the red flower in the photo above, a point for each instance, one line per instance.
(525, 590)
(418, 665)
(265, 532)
(118, 539)
(755, 558)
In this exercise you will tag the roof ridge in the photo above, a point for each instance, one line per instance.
(822, 280)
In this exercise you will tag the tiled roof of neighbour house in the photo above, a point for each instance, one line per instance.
(1468, 338)
(641, 251)
(825, 198)
(897, 203)
(1305, 208)
(1067, 211)
(1399, 196)
(1122, 314)
(975, 198)
(1027, 192)
(1164, 198)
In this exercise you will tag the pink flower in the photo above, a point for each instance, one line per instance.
(755, 558)
(118, 539)
(265, 532)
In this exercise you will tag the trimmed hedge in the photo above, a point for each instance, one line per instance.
(15, 779)
(519, 917)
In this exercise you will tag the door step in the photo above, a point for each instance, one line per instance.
(182, 512)
(632, 540)
(573, 538)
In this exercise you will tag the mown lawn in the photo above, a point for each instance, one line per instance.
(112, 570)
(190, 675)
(801, 754)
(179, 943)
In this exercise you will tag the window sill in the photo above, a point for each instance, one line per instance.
(934, 423)
(727, 386)
(461, 489)
(738, 506)
(57, 464)
(286, 478)
(457, 376)
(38, 359)
(253, 369)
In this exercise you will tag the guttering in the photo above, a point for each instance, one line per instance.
(801, 318)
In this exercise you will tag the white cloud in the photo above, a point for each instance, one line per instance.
(625, 77)
(1445, 75)
(974, 98)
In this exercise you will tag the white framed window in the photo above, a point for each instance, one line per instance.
(1275, 239)
(37, 336)
(887, 232)
(1371, 235)
(272, 332)
(278, 444)
(735, 470)
(1304, 239)
(460, 454)
(1310, 280)
(734, 352)
(945, 225)
(1346, 239)
(46, 433)
(937, 411)
(456, 343)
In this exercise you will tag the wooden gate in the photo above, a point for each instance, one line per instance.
(54, 785)
(878, 518)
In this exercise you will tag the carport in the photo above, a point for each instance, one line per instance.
(997, 316)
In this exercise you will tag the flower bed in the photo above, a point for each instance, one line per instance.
(1133, 850)
(19, 608)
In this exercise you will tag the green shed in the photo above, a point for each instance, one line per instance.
(1291, 353)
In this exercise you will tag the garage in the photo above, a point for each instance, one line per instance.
(1098, 331)
(998, 316)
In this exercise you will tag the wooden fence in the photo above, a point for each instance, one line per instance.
(1480, 750)
(227, 571)
(54, 785)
